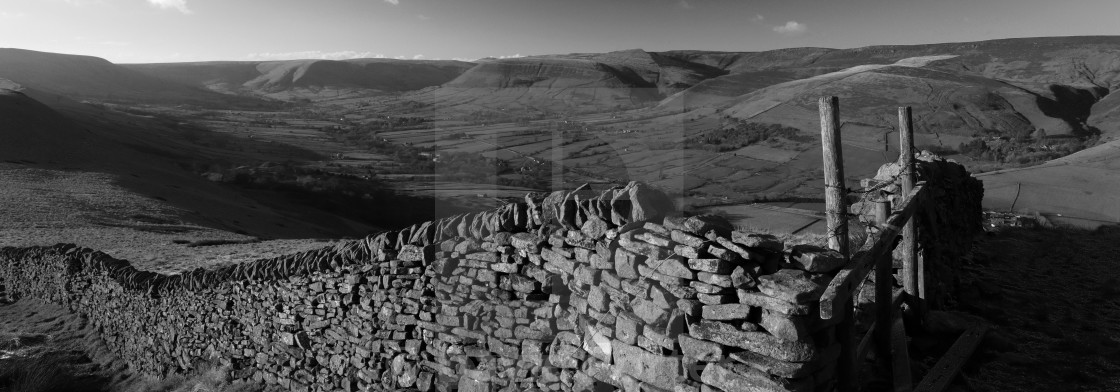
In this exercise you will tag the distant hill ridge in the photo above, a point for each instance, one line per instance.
(1060, 84)
(273, 76)
(88, 77)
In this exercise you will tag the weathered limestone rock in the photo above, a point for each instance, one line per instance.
(657, 370)
(646, 203)
(713, 266)
(566, 356)
(527, 241)
(674, 266)
(764, 241)
(598, 343)
(700, 349)
(776, 367)
(627, 327)
(687, 239)
(736, 377)
(759, 342)
(764, 301)
(626, 263)
(727, 312)
(649, 312)
(784, 326)
(790, 285)
(594, 227)
(816, 259)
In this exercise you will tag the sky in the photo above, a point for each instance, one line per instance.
(142, 31)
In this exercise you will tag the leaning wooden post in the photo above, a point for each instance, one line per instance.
(836, 211)
(884, 287)
(910, 268)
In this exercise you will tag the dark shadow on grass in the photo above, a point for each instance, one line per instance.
(48, 372)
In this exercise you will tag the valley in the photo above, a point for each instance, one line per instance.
(728, 133)
(303, 196)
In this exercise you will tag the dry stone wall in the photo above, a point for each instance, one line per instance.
(576, 291)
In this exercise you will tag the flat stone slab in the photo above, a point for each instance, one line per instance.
(759, 342)
(816, 259)
(790, 285)
(657, 370)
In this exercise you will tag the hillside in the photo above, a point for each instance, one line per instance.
(87, 77)
(1001, 85)
(1080, 189)
(641, 115)
(582, 82)
(33, 132)
(136, 156)
(271, 77)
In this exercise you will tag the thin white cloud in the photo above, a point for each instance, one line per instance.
(422, 17)
(684, 4)
(758, 18)
(791, 28)
(418, 57)
(488, 58)
(12, 15)
(313, 54)
(179, 5)
(393, 2)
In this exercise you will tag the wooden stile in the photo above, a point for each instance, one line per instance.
(877, 245)
(887, 333)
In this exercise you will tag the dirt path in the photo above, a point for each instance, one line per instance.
(1053, 297)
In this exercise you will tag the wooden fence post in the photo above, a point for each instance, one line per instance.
(836, 214)
(884, 287)
(911, 270)
(836, 209)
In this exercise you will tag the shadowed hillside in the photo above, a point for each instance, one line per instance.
(147, 162)
(265, 77)
(87, 77)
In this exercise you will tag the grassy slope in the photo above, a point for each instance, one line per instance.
(144, 156)
(46, 348)
(1054, 298)
(1083, 185)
